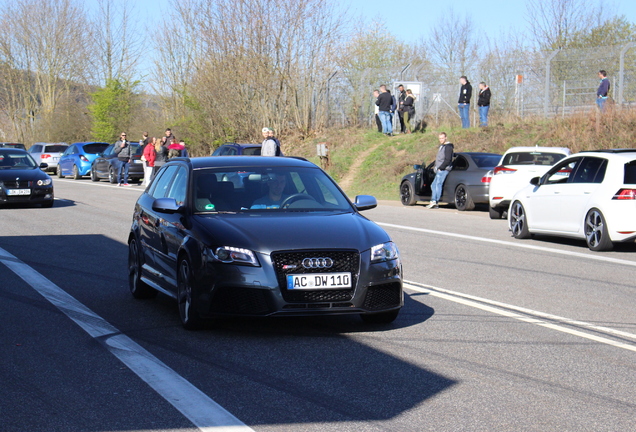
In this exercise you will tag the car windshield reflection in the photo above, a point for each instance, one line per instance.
(266, 189)
(20, 160)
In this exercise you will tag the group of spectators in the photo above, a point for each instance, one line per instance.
(386, 105)
(483, 102)
(156, 152)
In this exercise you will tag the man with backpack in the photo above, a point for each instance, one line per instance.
(271, 145)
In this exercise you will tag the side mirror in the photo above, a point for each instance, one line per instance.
(365, 202)
(166, 205)
(417, 167)
(535, 181)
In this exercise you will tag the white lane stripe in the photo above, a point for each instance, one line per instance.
(514, 244)
(463, 299)
(200, 409)
(101, 184)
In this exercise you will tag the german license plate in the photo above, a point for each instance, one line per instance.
(14, 192)
(138, 161)
(312, 281)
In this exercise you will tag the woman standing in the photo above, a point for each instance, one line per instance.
(409, 110)
(149, 156)
(161, 155)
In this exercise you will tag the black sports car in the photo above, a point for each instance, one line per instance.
(22, 180)
(466, 185)
(285, 240)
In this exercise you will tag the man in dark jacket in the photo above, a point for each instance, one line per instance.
(124, 154)
(603, 90)
(401, 99)
(465, 92)
(483, 103)
(384, 103)
(442, 167)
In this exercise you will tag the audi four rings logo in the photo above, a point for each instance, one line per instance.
(312, 263)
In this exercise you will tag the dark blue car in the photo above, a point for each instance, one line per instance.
(234, 149)
(77, 159)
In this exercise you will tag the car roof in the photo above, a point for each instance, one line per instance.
(90, 142)
(247, 145)
(247, 161)
(477, 153)
(627, 154)
(12, 150)
(564, 150)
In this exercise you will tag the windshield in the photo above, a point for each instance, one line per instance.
(532, 158)
(16, 160)
(95, 148)
(266, 189)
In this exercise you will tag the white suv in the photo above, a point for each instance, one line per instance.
(589, 195)
(515, 169)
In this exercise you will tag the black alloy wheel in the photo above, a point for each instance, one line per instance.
(407, 194)
(518, 221)
(112, 175)
(186, 298)
(596, 234)
(463, 200)
(94, 175)
(138, 288)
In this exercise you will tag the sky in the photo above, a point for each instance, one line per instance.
(409, 20)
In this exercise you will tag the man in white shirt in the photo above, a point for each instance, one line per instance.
(270, 146)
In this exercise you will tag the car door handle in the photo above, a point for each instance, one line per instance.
(557, 192)
(587, 193)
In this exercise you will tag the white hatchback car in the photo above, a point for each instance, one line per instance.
(515, 169)
(589, 195)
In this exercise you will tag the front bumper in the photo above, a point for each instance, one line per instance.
(38, 195)
(233, 290)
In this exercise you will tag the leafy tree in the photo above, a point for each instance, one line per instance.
(112, 109)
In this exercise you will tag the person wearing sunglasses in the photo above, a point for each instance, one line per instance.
(123, 151)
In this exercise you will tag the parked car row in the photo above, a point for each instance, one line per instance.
(543, 190)
(98, 160)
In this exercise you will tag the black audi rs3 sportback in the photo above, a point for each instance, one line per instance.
(260, 236)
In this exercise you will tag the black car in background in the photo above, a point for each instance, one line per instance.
(222, 249)
(22, 180)
(466, 185)
(234, 149)
(12, 145)
(105, 166)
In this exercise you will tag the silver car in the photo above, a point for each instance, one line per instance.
(49, 153)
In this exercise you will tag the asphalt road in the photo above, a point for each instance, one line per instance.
(496, 334)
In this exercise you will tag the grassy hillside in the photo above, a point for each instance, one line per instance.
(384, 160)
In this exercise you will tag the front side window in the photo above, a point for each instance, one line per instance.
(250, 189)
(179, 186)
(562, 172)
(161, 184)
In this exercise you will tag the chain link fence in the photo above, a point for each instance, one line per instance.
(523, 84)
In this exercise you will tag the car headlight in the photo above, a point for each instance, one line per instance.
(234, 255)
(384, 252)
(44, 182)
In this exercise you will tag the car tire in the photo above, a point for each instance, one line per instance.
(381, 317)
(519, 221)
(495, 213)
(407, 194)
(112, 175)
(94, 175)
(190, 318)
(138, 288)
(59, 172)
(463, 200)
(596, 234)
(76, 174)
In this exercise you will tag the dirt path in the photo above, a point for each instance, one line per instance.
(347, 179)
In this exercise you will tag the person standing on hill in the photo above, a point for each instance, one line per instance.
(376, 108)
(384, 103)
(441, 168)
(401, 108)
(465, 92)
(603, 90)
(409, 110)
(483, 103)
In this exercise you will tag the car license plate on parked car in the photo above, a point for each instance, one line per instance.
(138, 161)
(312, 281)
(14, 192)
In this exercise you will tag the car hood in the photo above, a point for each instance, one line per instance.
(266, 233)
(10, 174)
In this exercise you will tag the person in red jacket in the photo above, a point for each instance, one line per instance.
(149, 157)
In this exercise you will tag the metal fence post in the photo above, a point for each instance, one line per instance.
(621, 72)
(546, 102)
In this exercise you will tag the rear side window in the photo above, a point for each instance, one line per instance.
(460, 164)
(35, 149)
(532, 158)
(252, 151)
(590, 170)
(630, 173)
(486, 161)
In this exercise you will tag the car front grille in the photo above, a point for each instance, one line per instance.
(242, 301)
(383, 296)
(22, 184)
(343, 261)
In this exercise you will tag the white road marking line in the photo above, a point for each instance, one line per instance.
(101, 184)
(489, 306)
(515, 244)
(195, 405)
